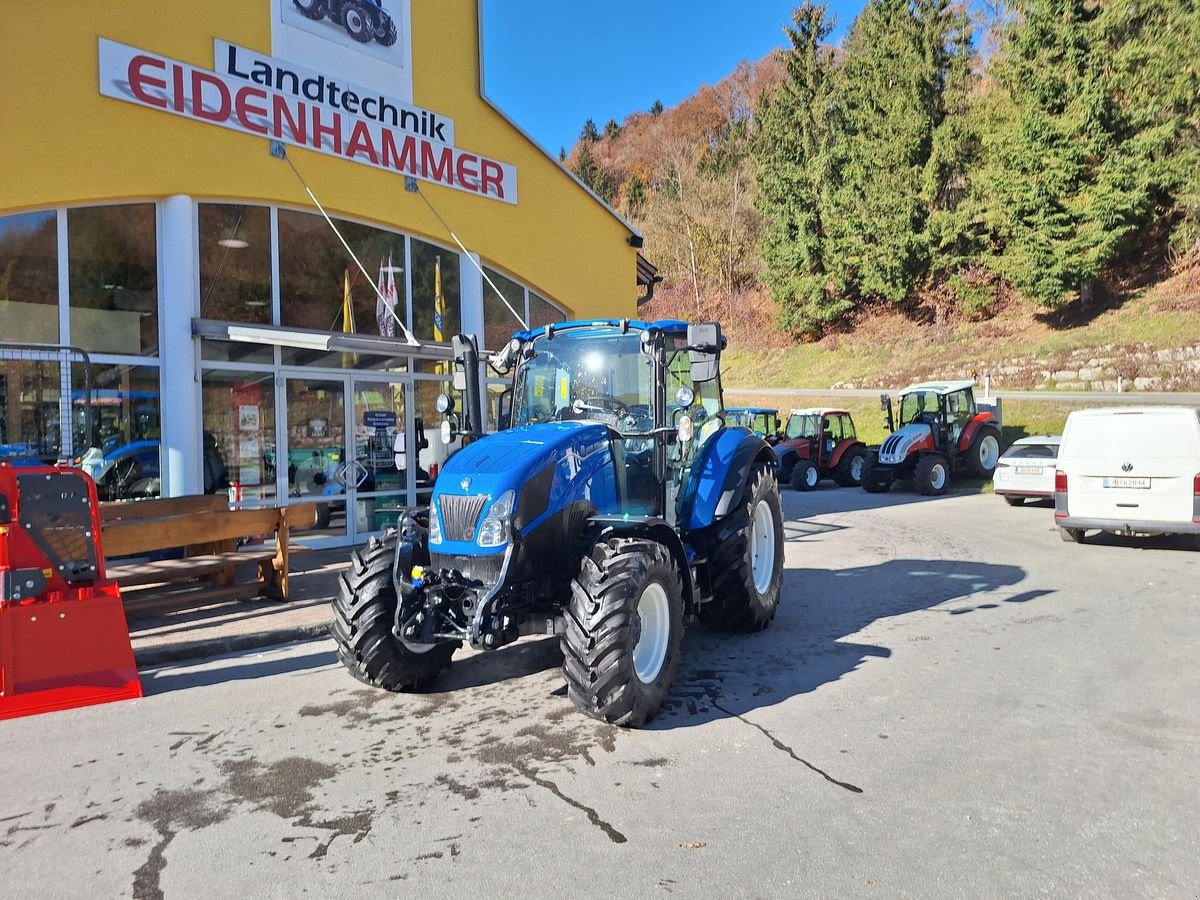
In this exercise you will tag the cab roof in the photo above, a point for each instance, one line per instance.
(938, 387)
(753, 410)
(818, 411)
(670, 326)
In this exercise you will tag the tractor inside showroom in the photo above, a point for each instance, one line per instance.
(820, 443)
(616, 505)
(362, 19)
(941, 432)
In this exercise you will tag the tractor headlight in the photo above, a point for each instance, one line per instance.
(493, 531)
(435, 525)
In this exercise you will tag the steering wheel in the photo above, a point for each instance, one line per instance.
(602, 403)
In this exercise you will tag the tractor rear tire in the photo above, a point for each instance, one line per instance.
(851, 467)
(984, 452)
(746, 559)
(932, 475)
(623, 629)
(805, 476)
(364, 611)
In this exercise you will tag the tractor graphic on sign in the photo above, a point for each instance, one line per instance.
(364, 20)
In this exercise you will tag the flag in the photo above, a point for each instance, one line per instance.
(385, 304)
(439, 308)
(348, 359)
(439, 302)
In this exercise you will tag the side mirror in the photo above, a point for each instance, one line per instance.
(884, 402)
(704, 343)
(422, 439)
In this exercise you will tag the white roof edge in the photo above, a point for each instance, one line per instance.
(521, 131)
(941, 387)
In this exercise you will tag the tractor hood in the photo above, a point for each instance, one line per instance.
(907, 440)
(546, 466)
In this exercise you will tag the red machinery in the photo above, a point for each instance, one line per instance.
(64, 641)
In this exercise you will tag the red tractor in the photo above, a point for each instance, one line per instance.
(941, 433)
(819, 443)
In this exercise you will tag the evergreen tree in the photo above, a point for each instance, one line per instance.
(562, 154)
(612, 130)
(589, 134)
(657, 108)
(791, 148)
(635, 195)
(1063, 184)
(593, 175)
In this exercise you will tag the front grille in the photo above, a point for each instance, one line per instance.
(460, 514)
(478, 568)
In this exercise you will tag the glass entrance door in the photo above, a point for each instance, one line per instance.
(380, 483)
(314, 450)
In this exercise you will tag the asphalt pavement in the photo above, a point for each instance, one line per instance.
(951, 702)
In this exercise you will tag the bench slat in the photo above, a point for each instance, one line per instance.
(164, 570)
(145, 535)
(130, 510)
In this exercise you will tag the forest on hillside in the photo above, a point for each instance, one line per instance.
(938, 157)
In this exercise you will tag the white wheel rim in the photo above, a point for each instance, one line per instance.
(762, 547)
(937, 477)
(989, 451)
(811, 476)
(650, 651)
(354, 20)
(856, 466)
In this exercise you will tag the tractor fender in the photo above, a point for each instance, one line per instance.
(968, 433)
(719, 475)
(842, 449)
(653, 529)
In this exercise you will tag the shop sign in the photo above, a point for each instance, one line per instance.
(379, 418)
(242, 103)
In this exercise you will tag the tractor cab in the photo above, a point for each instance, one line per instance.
(817, 443)
(763, 422)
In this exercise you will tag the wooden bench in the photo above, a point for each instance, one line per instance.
(209, 533)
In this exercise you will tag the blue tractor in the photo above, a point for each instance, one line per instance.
(614, 505)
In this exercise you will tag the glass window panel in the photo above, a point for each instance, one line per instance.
(235, 263)
(29, 277)
(427, 262)
(316, 449)
(431, 458)
(239, 433)
(543, 312)
(30, 410)
(314, 269)
(233, 351)
(114, 279)
(126, 447)
(498, 322)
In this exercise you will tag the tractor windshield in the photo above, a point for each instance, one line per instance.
(802, 425)
(586, 373)
(919, 406)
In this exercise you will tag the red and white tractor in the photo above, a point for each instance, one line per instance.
(941, 432)
(819, 443)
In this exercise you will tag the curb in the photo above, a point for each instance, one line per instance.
(151, 657)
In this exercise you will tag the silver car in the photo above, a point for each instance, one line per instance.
(1026, 469)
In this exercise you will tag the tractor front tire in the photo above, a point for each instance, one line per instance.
(385, 33)
(357, 22)
(364, 611)
(870, 483)
(805, 476)
(984, 452)
(311, 9)
(932, 475)
(850, 469)
(623, 629)
(746, 559)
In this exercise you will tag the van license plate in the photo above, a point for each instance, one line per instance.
(1029, 470)
(1143, 483)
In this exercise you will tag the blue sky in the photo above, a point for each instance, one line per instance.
(551, 64)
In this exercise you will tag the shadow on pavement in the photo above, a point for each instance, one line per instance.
(233, 668)
(805, 647)
(828, 497)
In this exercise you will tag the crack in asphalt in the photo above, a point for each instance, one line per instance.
(780, 745)
(594, 817)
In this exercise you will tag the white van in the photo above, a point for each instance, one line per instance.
(1132, 470)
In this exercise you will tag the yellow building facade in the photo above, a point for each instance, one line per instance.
(165, 165)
